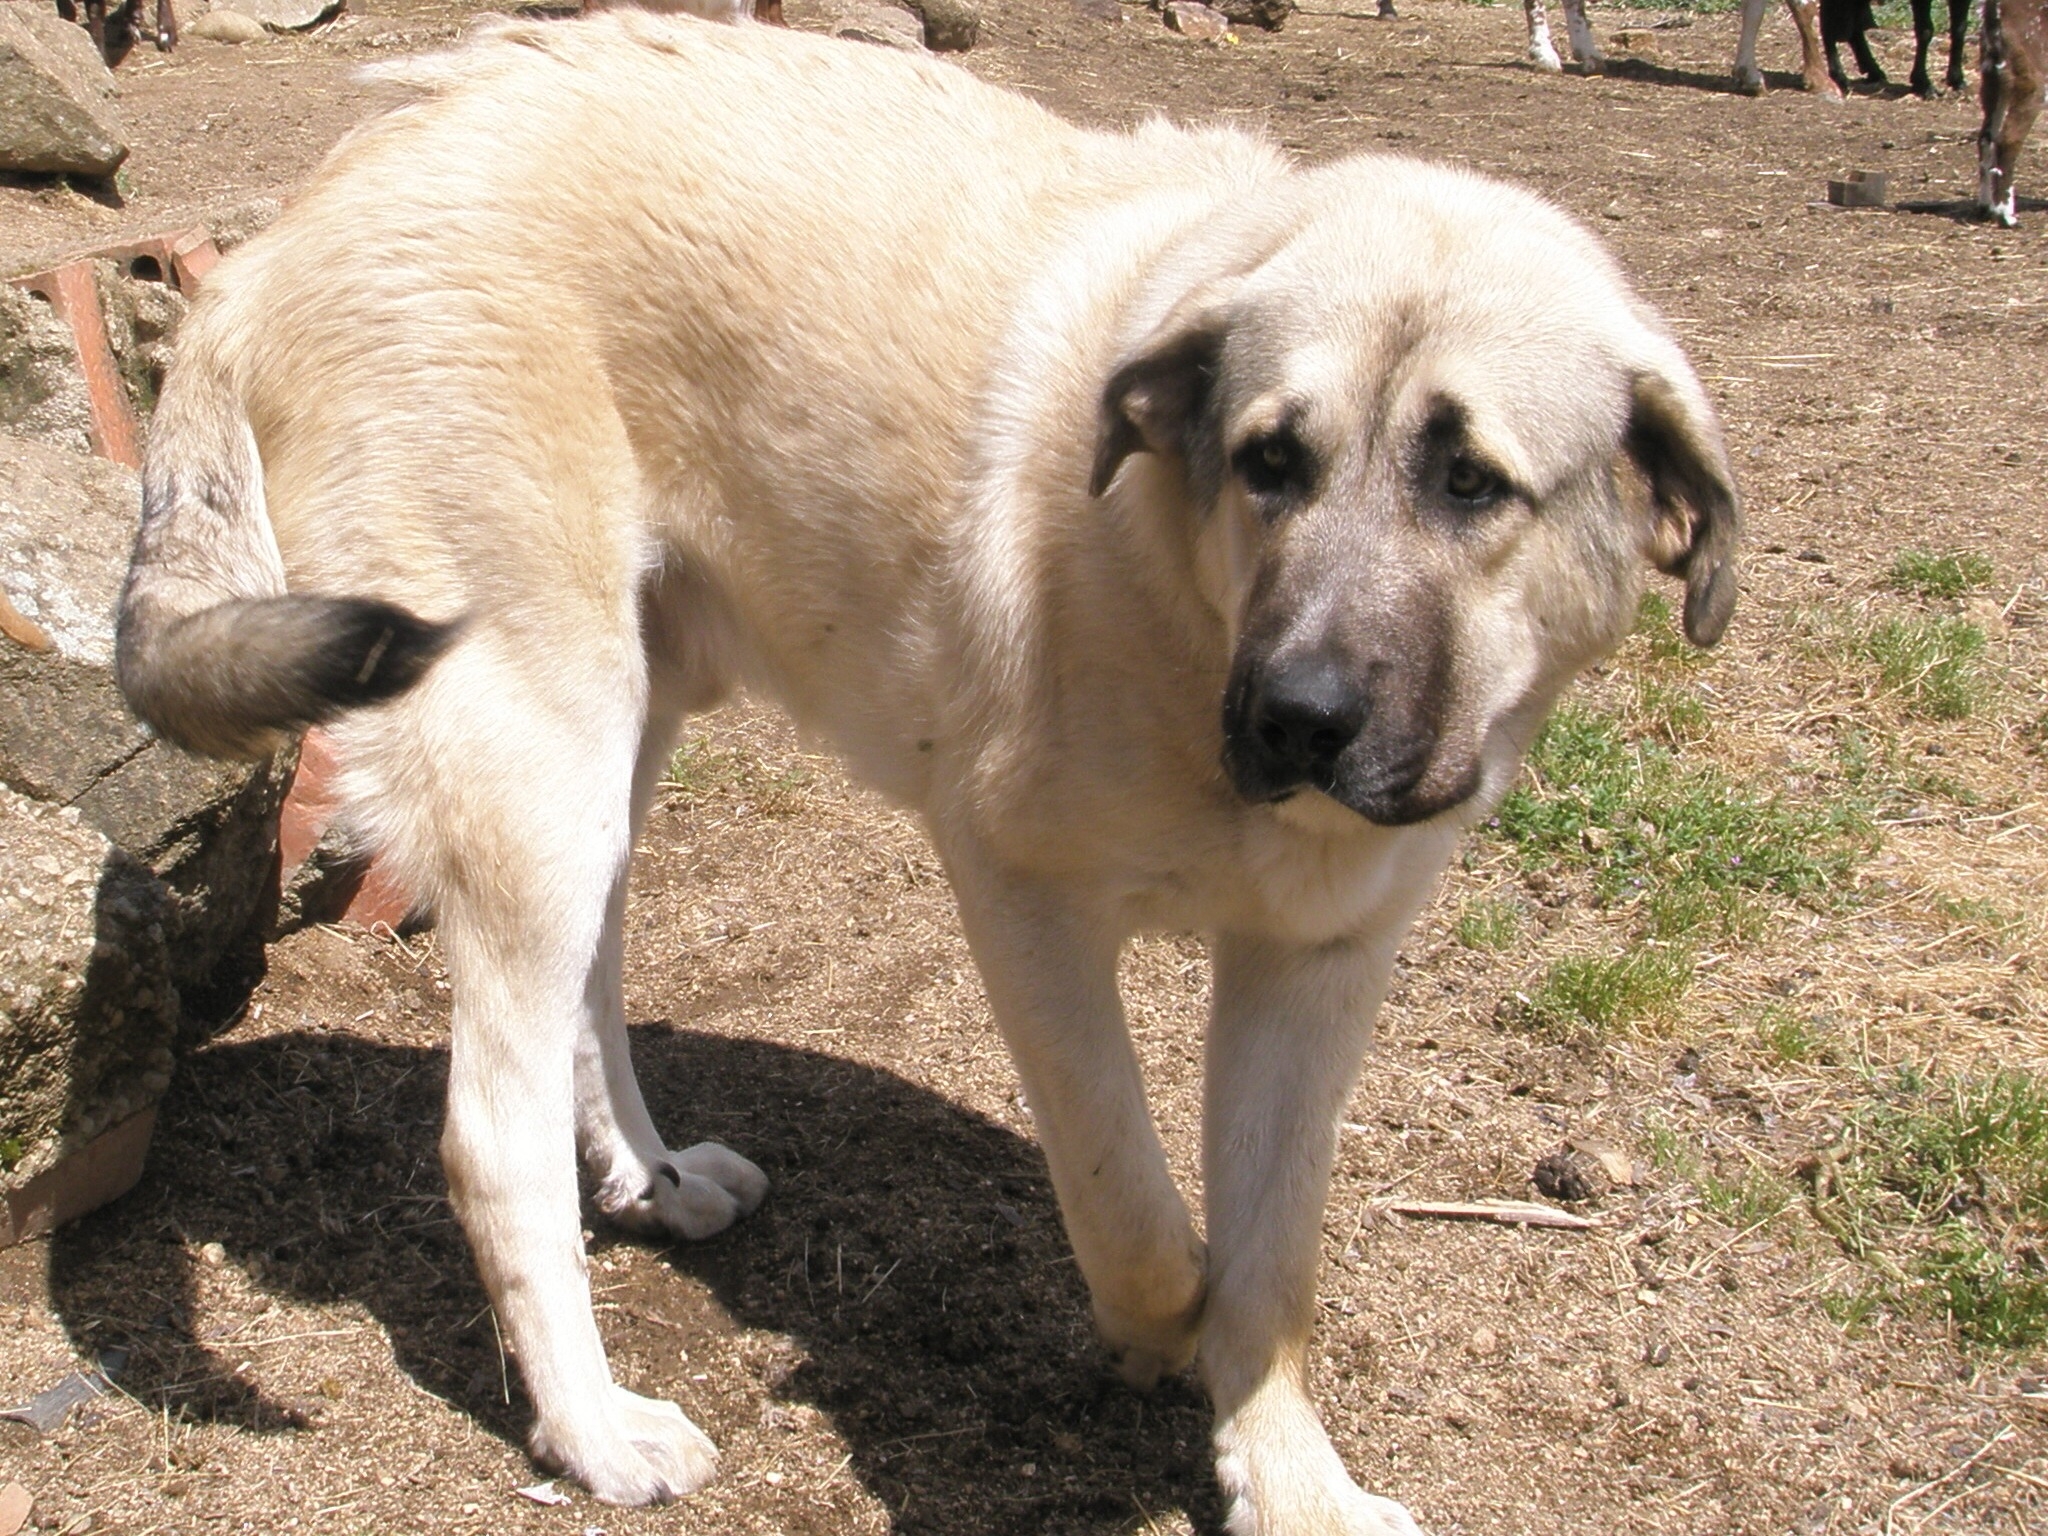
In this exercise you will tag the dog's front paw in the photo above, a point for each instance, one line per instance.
(696, 1193)
(1311, 1506)
(1281, 1476)
(1155, 1330)
(645, 1451)
(1544, 57)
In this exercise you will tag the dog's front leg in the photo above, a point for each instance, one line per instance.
(1289, 1031)
(1049, 963)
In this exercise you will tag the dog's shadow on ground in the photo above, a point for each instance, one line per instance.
(1965, 210)
(911, 1255)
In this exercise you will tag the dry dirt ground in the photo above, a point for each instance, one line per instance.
(898, 1340)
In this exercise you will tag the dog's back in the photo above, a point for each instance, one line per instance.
(655, 347)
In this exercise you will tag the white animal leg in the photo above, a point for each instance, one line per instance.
(1748, 78)
(534, 832)
(1050, 970)
(1289, 1031)
(641, 1184)
(1576, 28)
(1541, 51)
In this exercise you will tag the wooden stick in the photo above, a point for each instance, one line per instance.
(1517, 1213)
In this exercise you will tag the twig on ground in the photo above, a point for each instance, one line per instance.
(1514, 1213)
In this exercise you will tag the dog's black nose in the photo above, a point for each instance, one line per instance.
(1304, 714)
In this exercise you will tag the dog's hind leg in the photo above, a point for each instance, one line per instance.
(641, 1184)
(1289, 1030)
(1050, 969)
(515, 789)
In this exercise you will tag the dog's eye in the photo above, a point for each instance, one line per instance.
(1469, 481)
(1275, 465)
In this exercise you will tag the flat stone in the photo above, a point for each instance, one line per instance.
(950, 26)
(863, 21)
(1108, 11)
(1192, 19)
(57, 112)
(227, 27)
(88, 1009)
(288, 15)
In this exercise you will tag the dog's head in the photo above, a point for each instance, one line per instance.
(1428, 443)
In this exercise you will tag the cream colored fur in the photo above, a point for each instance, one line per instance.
(657, 421)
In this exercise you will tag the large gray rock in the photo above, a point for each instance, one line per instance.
(42, 393)
(950, 26)
(88, 1011)
(56, 96)
(208, 830)
(288, 15)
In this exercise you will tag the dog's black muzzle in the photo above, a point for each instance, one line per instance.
(1310, 721)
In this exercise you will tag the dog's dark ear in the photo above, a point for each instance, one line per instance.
(1157, 401)
(1696, 513)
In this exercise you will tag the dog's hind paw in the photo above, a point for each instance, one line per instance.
(649, 1454)
(695, 1193)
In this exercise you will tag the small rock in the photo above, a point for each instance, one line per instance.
(1615, 1165)
(1483, 1343)
(56, 97)
(227, 27)
(1190, 18)
(1456, 1410)
(1563, 1175)
(1614, 211)
(950, 26)
(1101, 10)
(213, 1255)
(1267, 15)
(1637, 43)
(863, 21)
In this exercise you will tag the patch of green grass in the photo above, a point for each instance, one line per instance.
(1934, 664)
(1987, 917)
(1749, 1200)
(1943, 1184)
(1645, 818)
(1790, 1038)
(1487, 923)
(1746, 1200)
(11, 1152)
(699, 770)
(1853, 1310)
(1677, 716)
(1685, 913)
(1938, 577)
(1657, 627)
(1588, 995)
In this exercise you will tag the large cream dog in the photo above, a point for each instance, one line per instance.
(1196, 541)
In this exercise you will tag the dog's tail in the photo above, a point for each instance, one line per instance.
(210, 650)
